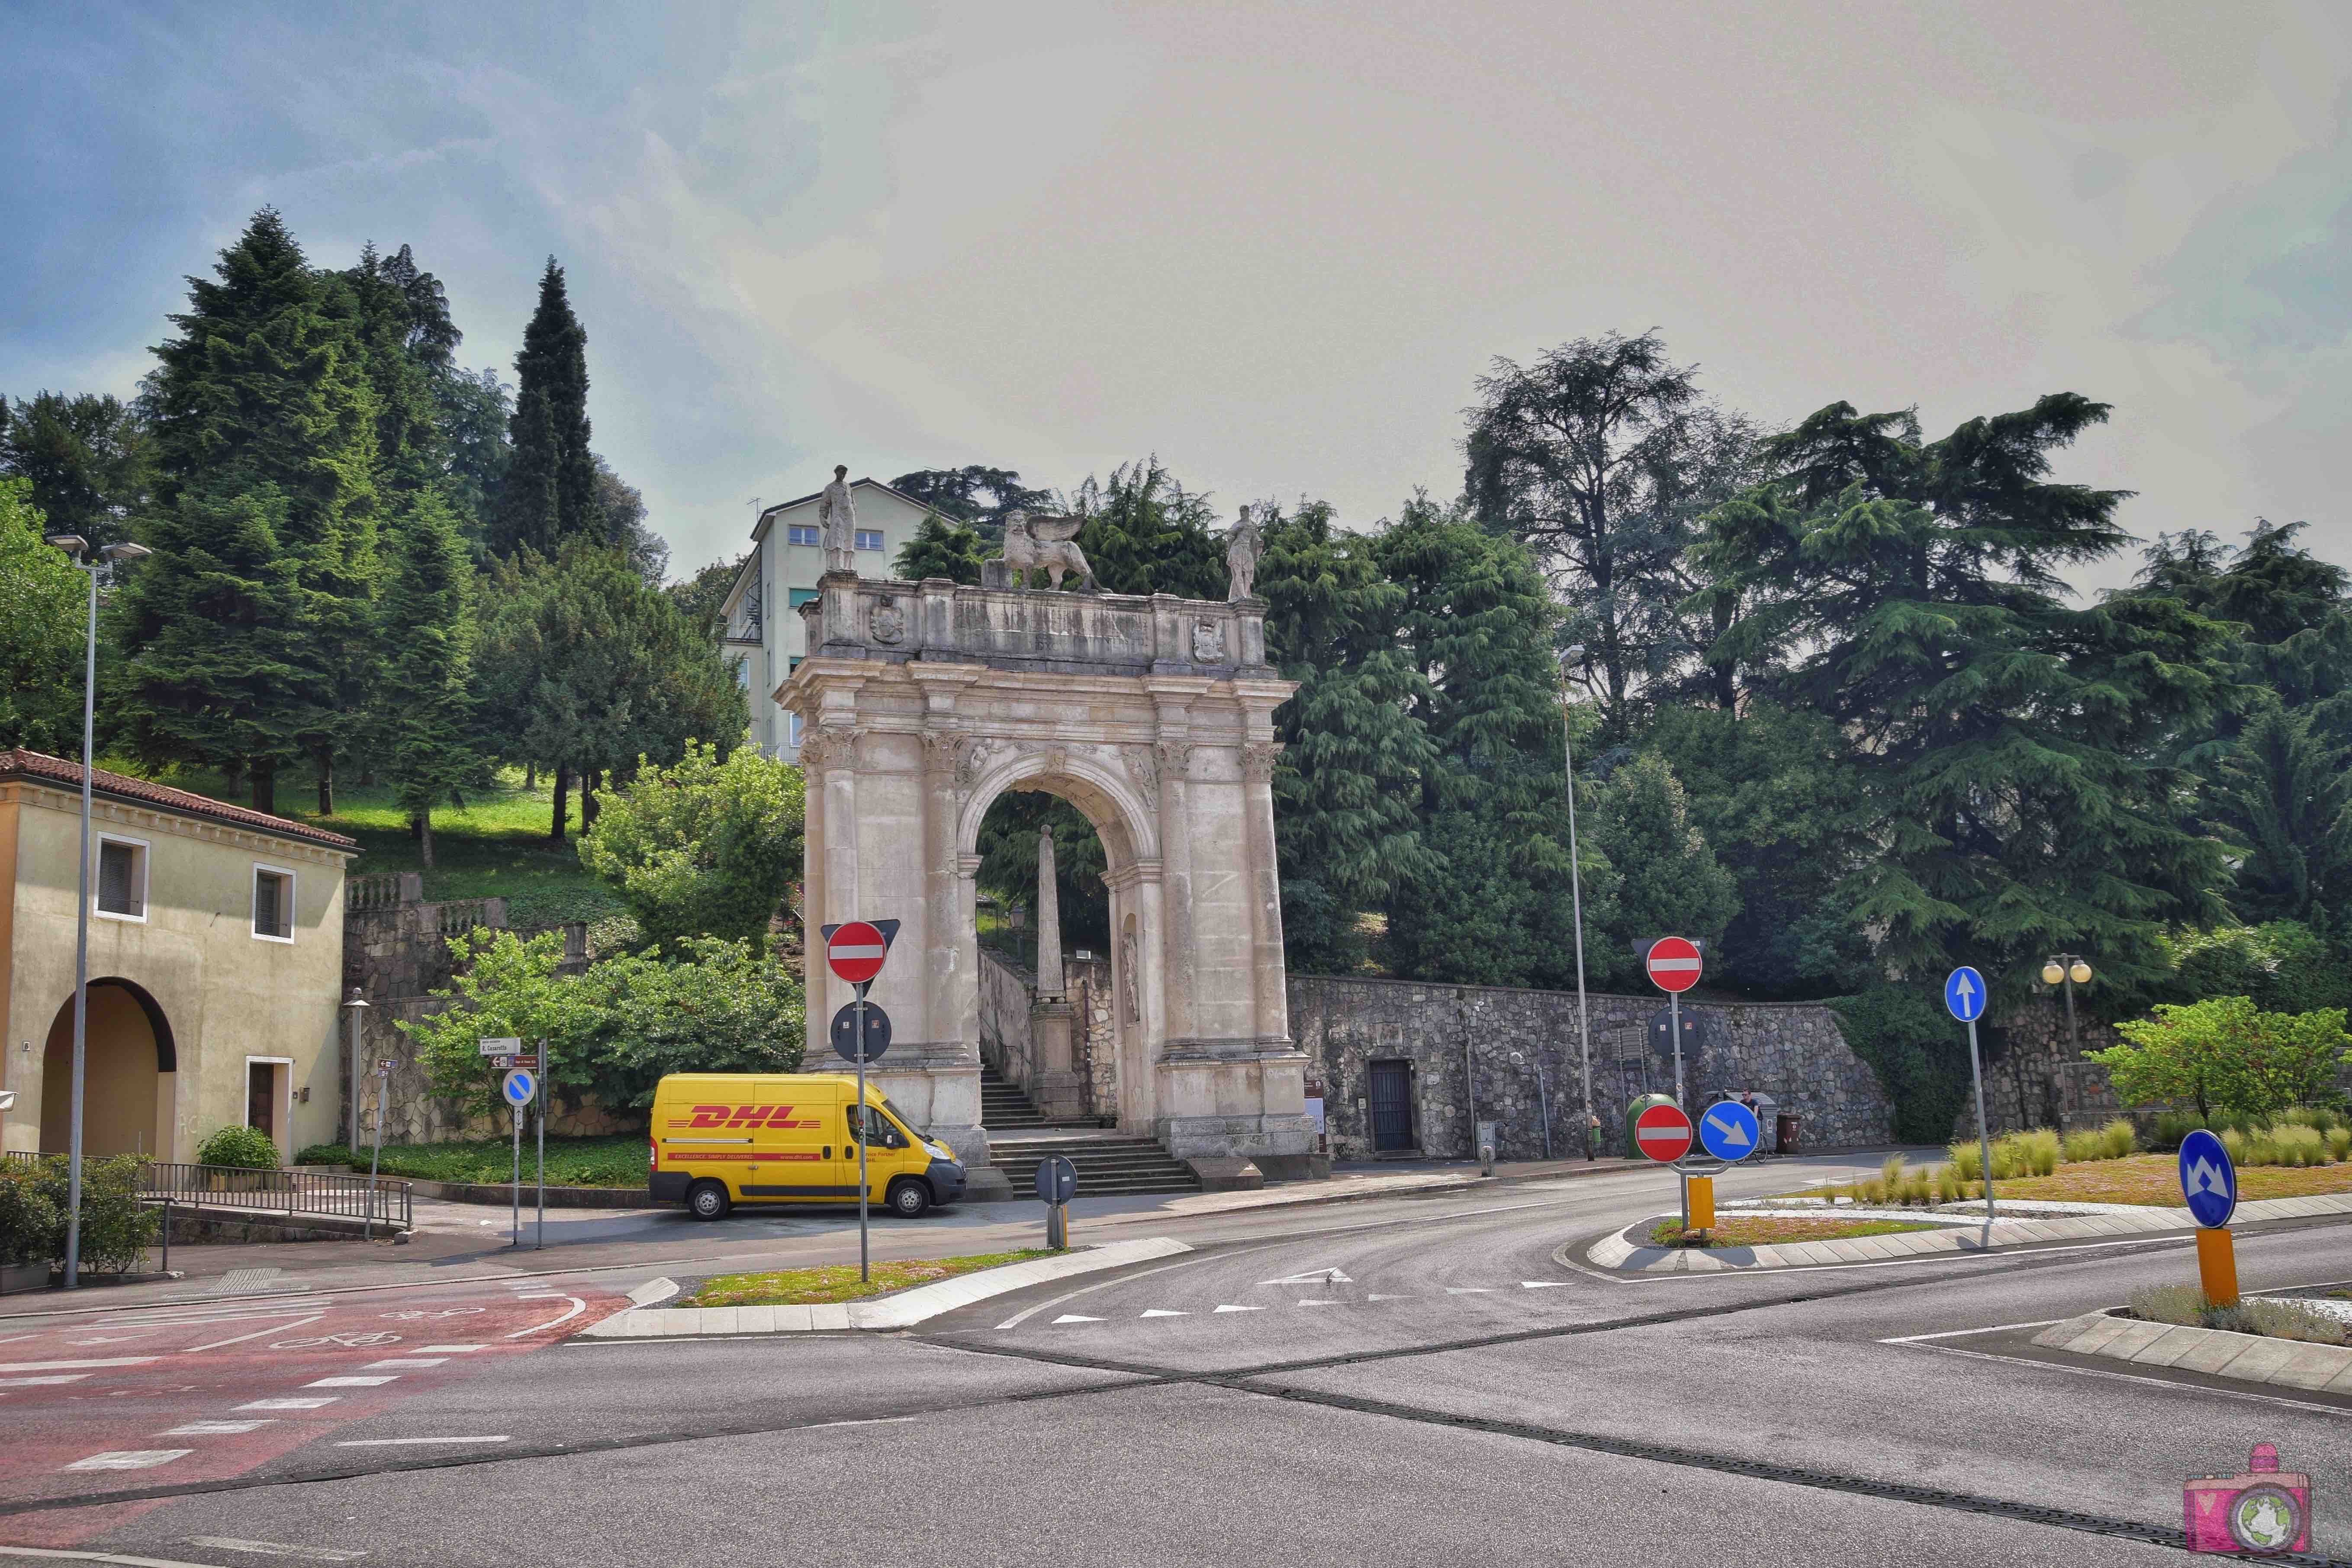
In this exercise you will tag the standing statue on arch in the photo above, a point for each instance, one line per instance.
(1244, 547)
(836, 514)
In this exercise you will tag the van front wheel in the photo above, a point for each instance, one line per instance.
(708, 1200)
(910, 1199)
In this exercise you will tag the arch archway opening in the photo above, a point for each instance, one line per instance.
(130, 1063)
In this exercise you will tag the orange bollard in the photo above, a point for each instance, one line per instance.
(2217, 1266)
(1702, 1202)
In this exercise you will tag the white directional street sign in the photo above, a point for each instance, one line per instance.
(500, 1047)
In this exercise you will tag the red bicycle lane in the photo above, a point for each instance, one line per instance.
(212, 1389)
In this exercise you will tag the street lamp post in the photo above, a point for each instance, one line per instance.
(2074, 971)
(78, 550)
(1576, 898)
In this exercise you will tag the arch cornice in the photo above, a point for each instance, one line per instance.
(1131, 834)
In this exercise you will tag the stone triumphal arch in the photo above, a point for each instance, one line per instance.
(922, 702)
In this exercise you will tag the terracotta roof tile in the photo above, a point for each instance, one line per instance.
(22, 763)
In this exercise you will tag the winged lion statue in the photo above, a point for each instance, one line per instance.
(1046, 541)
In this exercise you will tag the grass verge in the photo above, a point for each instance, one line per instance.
(570, 1162)
(1770, 1230)
(2155, 1179)
(839, 1282)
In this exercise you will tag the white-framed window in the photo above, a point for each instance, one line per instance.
(743, 675)
(802, 534)
(273, 903)
(121, 879)
(793, 731)
(869, 539)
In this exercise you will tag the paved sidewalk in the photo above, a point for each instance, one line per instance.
(2219, 1353)
(1626, 1257)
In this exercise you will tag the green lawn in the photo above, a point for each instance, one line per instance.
(494, 846)
(1772, 1230)
(839, 1282)
(570, 1162)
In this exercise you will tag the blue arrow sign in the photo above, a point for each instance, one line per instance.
(2208, 1180)
(519, 1087)
(1964, 994)
(1729, 1130)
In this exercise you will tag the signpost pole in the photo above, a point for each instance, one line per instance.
(1674, 1026)
(1543, 1101)
(1984, 1136)
(514, 1235)
(540, 1245)
(375, 1156)
(864, 1262)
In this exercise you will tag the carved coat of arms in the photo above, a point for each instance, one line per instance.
(888, 622)
(1208, 643)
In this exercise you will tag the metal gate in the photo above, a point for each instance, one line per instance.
(1391, 1096)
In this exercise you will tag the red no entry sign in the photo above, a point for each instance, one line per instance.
(1663, 1132)
(1673, 964)
(856, 951)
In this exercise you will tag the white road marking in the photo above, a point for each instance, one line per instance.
(1238, 1310)
(578, 1306)
(112, 1339)
(448, 1349)
(58, 1554)
(273, 1549)
(1313, 1276)
(1324, 1302)
(407, 1442)
(42, 1382)
(858, 1421)
(129, 1459)
(354, 1382)
(1376, 1297)
(72, 1366)
(214, 1428)
(406, 1363)
(311, 1404)
(1163, 1313)
(1962, 1333)
(258, 1334)
(1076, 1318)
(1469, 1289)
(1543, 1284)
(541, 1296)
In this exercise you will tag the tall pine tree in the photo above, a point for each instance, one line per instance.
(425, 734)
(550, 493)
(265, 432)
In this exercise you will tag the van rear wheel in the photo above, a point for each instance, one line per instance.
(910, 1199)
(708, 1200)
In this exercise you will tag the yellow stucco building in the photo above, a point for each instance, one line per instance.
(215, 964)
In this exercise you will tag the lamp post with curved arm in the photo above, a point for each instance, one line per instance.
(2073, 971)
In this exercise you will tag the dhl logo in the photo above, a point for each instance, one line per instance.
(741, 1116)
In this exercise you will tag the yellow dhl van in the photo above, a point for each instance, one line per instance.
(721, 1139)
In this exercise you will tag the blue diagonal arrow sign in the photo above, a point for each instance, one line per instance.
(1729, 1130)
(1964, 994)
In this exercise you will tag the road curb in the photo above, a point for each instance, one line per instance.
(1612, 1251)
(2217, 1352)
(903, 1311)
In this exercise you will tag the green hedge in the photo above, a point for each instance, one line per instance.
(247, 1148)
(1918, 1053)
(117, 1230)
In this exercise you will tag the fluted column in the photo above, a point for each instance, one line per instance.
(1258, 758)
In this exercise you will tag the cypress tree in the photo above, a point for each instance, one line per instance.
(550, 493)
(265, 428)
(425, 728)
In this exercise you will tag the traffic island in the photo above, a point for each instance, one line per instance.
(1634, 1251)
(2115, 1334)
(902, 1311)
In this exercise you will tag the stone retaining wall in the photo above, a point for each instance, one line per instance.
(1793, 1052)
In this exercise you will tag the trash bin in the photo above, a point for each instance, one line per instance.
(1784, 1134)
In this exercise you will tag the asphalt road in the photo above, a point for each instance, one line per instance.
(1414, 1381)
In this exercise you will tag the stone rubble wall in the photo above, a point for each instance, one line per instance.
(1006, 991)
(1791, 1052)
(397, 951)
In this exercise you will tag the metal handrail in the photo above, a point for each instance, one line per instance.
(289, 1192)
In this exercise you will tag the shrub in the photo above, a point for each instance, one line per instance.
(1949, 1188)
(247, 1148)
(2278, 1321)
(1967, 1161)
(2180, 1304)
(29, 1221)
(2224, 1052)
(1890, 1172)
(2234, 1141)
(2078, 1147)
(2118, 1139)
(117, 1230)
(1916, 1187)
(2339, 1143)
(2172, 1126)
(1910, 1044)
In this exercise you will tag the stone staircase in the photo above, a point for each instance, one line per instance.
(1001, 1104)
(1109, 1165)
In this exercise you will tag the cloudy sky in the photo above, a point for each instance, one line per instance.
(1274, 244)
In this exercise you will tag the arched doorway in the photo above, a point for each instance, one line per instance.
(129, 1065)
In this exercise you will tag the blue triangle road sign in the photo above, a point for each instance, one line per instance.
(1964, 994)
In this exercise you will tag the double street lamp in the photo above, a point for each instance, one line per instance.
(77, 550)
(2070, 970)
